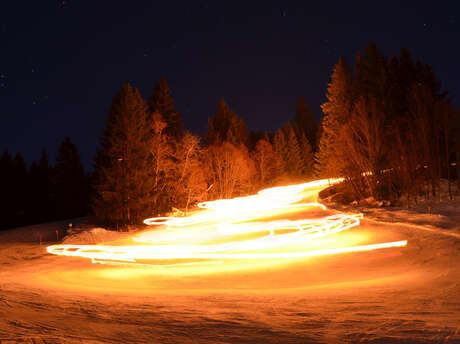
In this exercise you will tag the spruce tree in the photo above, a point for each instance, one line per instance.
(6, 190)
(280, 146)
(40, 208)
(304, 122)
(13, 190)
(70, 185)
(307, 157)
(226, 126)
(336, 110)
(294, 160)
(124, 183)
(162, 102)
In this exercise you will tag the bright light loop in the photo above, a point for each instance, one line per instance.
(274, 223)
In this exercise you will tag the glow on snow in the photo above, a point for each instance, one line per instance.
(270, 224)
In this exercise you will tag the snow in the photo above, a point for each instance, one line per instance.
(92, 236)
(398, 295)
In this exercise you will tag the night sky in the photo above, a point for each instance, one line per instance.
(61, 62)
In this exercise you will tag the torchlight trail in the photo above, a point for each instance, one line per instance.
(270, 224)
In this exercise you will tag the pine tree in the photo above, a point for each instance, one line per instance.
(304, 122)
(41, 205)
(294, 160)
(70, 184)
(124, 164)
(226, 126)
(162, 102)
(5, 191)
(307, 157)
(336, 110)
(12, 183)
(280, 146)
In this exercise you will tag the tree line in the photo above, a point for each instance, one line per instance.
(43, 192)
(389, 129)
(147, 164)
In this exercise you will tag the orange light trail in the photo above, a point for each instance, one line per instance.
(275, 223)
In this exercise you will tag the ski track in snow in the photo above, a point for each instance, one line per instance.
(403, 295)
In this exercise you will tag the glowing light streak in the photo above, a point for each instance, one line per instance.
(268, 225)
(145, 252)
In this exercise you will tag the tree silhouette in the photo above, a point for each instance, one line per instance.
(70, 184)
(336, 110)
(125, 174)
(162, 102)
(226, 126)
(305, 122)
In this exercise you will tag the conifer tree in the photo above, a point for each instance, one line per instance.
(336, 110)
(41, 204)
(294, 159)
(390, 119)
(226, 126)
(162, 102)
(307, 157)
(304, 122)
(70, 183)
(280, 146)
(371, 74)
(124, 164)
(6, 189)
(13, 187)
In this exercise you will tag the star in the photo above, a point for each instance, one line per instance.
(63, 4)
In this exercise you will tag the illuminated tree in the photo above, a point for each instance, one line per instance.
(362, 147)
(267, 163)
(336, 111)
(280, 146)
(307, 157)
(162, 150)
(190, 182)
(387, 128)
(229, 170)
(293, 158)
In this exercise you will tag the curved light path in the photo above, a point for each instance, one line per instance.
(274, 223)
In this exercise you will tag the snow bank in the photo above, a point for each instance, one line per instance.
(91, 236)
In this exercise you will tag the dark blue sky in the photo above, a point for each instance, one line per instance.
(62, 61)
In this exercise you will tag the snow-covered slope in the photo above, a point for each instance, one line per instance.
(399, 295)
